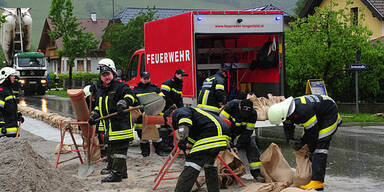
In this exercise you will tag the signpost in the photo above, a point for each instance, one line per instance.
(357, 67)
(316, 86)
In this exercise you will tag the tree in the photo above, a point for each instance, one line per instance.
(76, 42)
(299, 6)
(323, 45)
(126, 39)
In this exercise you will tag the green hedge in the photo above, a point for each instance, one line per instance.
(77, 76)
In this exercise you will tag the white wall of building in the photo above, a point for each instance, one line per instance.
(80, 65)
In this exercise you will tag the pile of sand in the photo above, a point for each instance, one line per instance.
(22, 169)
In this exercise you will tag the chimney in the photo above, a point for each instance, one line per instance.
(93, 17)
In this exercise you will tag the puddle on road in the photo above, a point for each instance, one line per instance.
(62, 106)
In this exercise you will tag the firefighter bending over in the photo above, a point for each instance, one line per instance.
(145, 87)
(114, 96)
(213, 94)
(243, 118)
(9, 115)
(209, 135)
(319, 116)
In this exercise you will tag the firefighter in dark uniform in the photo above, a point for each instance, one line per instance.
(16, 88)
(213, 94)
(114, 96)
(145, 87)
(173, 93)
(243, 118)
(209, 135)
(319, 116)
(9, 115)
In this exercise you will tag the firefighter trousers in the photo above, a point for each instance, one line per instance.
(145, 145)
(118, 159)
(193, 164)
(319, 158)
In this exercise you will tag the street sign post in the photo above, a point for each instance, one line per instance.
(357, 67)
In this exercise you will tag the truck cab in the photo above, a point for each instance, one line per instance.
(136, 66)
(32, 69)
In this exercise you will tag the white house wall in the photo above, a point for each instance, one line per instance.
(64, 62)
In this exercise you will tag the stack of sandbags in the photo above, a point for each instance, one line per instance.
(262, 104)
(52, 119)
(234, 162)
(279, 176)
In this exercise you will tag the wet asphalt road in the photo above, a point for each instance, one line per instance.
(356, 155)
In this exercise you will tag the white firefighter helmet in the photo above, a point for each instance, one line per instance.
(278, 112)
(87, 91)
(6, 72)
(109, 63)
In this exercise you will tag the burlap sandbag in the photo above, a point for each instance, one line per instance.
(265, 187)
(274, 167)
(303, 172)
(95, 151)
(150, 132)
(235, 163)
(262, 104)
(295, 189)
(66, 148)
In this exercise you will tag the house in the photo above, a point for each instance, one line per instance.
(61, 64)
(373, 10)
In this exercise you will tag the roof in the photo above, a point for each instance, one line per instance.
(131, 12)
(375, 6)
(96, 28)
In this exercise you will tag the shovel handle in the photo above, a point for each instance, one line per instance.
(115, 113)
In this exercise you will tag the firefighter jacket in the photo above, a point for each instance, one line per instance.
(144, 89)
(117, 128)
(173, 92)
(241, 123)
(318, 114)
(212, 93)
(206, 131)
(8, 110)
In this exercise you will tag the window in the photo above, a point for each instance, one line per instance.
(80, 66)
(355, 15)
(142, 65)
(67, 62)
(132, 72)
(89, 65)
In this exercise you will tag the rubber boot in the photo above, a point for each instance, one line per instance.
(114, 177)
(257, 176)
(108, 169)
(158, 150)
(145, 149)
(317, 185)
(187, 179)
(211, 178)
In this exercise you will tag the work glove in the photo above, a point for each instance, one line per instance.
(295, 144)
(20, 117)
(92, 118)
(120, 106)
(182, 144)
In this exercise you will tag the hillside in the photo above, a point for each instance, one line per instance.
(103, 8)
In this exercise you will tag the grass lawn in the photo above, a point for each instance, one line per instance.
(361, 117)
(60, 93)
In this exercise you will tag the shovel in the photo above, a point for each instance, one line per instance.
(152, 104)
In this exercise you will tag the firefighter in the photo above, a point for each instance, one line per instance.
(114, 96)
(145, 87)
(16, 88)
(173, 93)
(212, 95)
(9, 115)
(208, 135)
(56, 81)
(319, 116)
(243, 118)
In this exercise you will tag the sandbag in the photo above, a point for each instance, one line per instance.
(274, 166)
(95, 151)
(150, 132)
(265, 187)
(303, 172)
(235, 163)
(295, 189)
(262, 104)
(66, 148)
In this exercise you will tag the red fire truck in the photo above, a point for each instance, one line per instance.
(199, 42)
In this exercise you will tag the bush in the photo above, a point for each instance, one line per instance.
(88, 77)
